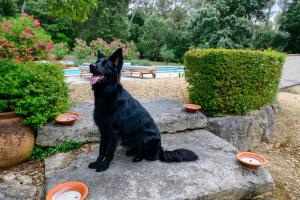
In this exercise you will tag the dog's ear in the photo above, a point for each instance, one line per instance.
(100, 55)
(117, 57)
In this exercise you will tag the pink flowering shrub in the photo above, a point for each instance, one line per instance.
(23, 39)
(83, 50)
(129, 50)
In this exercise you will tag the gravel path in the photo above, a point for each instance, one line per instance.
(283, 152)
(175, 88)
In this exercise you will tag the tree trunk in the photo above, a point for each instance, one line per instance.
(23, 6)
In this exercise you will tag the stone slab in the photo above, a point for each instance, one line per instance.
(216, 175)
(168, 114)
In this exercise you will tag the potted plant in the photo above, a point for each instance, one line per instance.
(30, 95)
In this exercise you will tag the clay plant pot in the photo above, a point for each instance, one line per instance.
(68, 190)
(67, 118)
(251, 160)
(16, 140)
(191, 107)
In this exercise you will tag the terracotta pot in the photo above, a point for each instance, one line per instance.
(68, 190)
(16, 140)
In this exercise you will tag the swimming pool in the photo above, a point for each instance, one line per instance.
(169, 69)
(159, 69)
(71, 72)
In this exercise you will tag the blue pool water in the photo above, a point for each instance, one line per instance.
(76, 72)
(72, 72)
(170, 69)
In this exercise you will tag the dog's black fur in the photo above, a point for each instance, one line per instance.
(118, 115)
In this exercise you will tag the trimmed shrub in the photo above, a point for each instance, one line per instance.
(140, 62)
(35, 91)
(225, 81)
(23, 39)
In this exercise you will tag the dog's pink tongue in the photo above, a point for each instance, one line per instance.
(94, 79)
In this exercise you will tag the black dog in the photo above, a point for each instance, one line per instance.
(118, 115)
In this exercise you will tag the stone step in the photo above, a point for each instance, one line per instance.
(168, 114)
(216, 175)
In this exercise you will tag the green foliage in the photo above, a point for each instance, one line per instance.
(271, 39)
(156, 33)
(8, 8)
(137, 21)
(35, 91)
(232, 81)
(166, 54)
(290, 22)
(140, 62)
(108, 21)
(40, 153)
(60, 50)
(130, 51)
(210, 27)
(60, 29)
(72, 9)
(23, 39)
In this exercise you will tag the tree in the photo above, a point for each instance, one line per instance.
(271, 39)
(72, 9)
(136, 24)
(61, 29)
(166, 54)
(290, 22)
(225, 24)
(109, 21)
(8, 8)
(156, 33)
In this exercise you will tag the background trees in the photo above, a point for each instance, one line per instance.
(290, 22)
(167, 28)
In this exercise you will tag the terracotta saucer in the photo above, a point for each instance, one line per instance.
(68, 190)
(191, 107)
(251, 160)
(67, 118)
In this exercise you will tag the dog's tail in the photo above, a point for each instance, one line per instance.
(178, 155)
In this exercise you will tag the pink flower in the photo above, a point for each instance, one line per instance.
(27, 28)
(49, 46)
(37, 23)
(5, 44)
(27, 50)
(42, 43)
(18, 58)
(24, 14)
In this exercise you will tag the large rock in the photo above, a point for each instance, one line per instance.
(216, 175)
(168, 114)
(245, 132)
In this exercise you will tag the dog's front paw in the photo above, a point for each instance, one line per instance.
(102, 167)
(137, 159)
(93, 165)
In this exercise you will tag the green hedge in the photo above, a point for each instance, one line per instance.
(140, 62)
(35, 91)
(225, 81)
